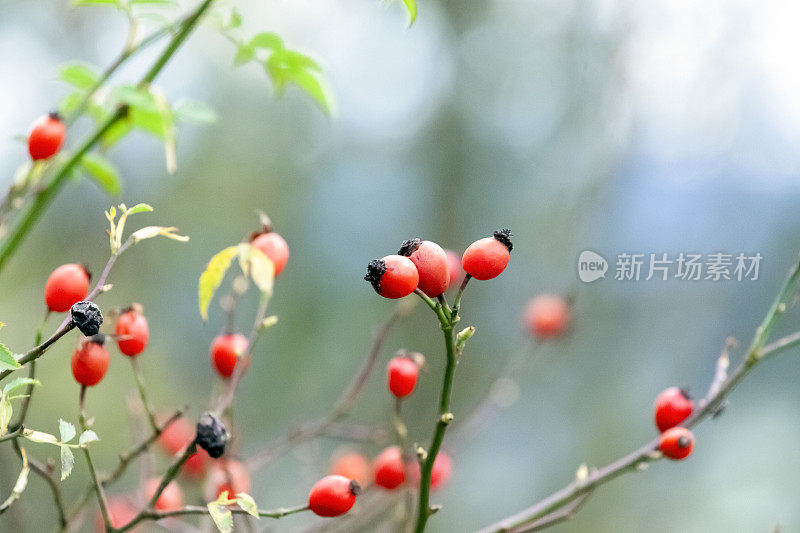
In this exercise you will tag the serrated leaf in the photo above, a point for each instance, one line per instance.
(66, 430)
(40, 437)
(258, 267)
(67, 461)
(19, 382)
(102, 172)
(87, 437)
(212, 277)
(79, 75)
(149, 232)
(411, 6)
(5, 415)
(247, 503)
(195, 111)
(7, 359)
(222, 516)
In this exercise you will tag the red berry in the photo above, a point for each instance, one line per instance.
(388, 468)
(352, 465)
(46, 136)
(394, 276)
(333, 496)
(171, 498)
(487, 258)
(440, 474)
(195, 465)
(231, 476)
(90, 362)
(133, 331)
(676, 443)
(402, 376)
(273, 247)
(673, 406)
(66, 285)
(547, 316)
(226, 350)
(431, 262)
(454, 267)
(176, 436)
(121, 511)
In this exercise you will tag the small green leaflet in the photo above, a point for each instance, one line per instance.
(194, 111)
(67, 461)
(7, 359)
(66, 430)
(102, 172)
(87, 437)
(16, 383)
(79, 75)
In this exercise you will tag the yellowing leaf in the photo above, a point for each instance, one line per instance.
(5, 415)
(39, 436)
(256, 265)
(212, 277)
(411, 6)
(247, 503)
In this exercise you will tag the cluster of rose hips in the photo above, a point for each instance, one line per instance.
(426, 266)
(673, 406)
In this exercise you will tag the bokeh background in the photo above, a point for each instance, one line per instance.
(661, 126)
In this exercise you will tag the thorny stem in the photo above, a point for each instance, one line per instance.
(46, 195)
(649, 452)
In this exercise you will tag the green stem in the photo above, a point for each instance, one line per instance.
(43, 199)
(98, 487)
(424, 510)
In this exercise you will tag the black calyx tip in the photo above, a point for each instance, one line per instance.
(87, 317)
(355, 488)
(685, 393)
(504, 236)
(212, 435)
(375, 270)
(409, 247)
(86, 269)
(684, 442)
(55, 115)
(99, 339)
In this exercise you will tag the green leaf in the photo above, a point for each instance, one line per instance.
(296, 60)
(40, 437)
(135, 97)
(7, 359)
(139, 208)
(67, 461)
(411, 6)
(70, 103)
(79, 75)
(247, 503)
(244, 54)
(195, 111)
(87, 437)
(5, 415)
(147, 121)
(212, 277)
(235, 19)
(316, 88)
(117, 132)
(102, 172)
(222, 517)
(267, 40)
(17, 383)
(66, 430)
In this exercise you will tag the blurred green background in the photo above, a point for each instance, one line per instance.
(612, 126)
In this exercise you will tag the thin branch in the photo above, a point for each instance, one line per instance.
(198, 510)
(343, 405)
(649, 452)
